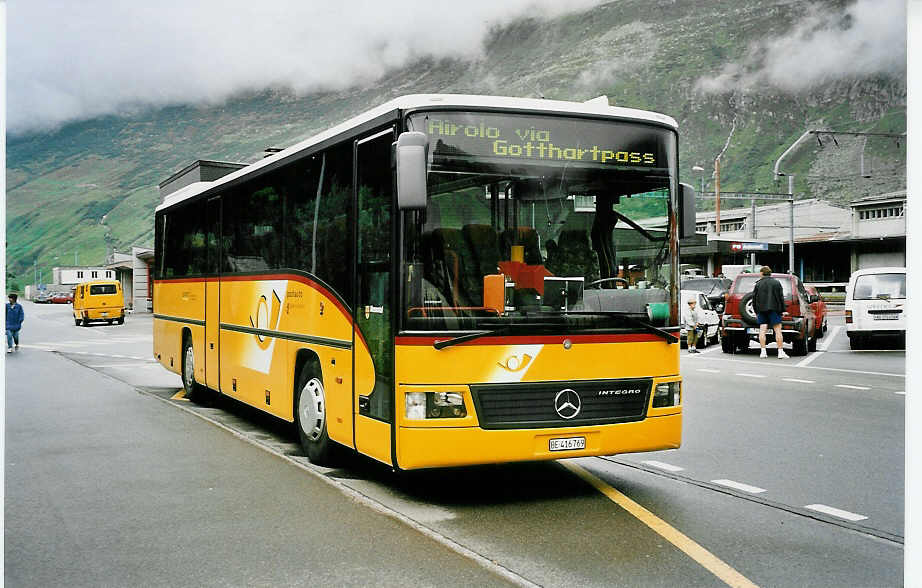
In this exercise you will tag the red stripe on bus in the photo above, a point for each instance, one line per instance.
(289, 277)
(262, 278)
(535, 339)
(185, 280)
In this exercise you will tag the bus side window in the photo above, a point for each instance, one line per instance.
(335, 248)
(300, 187)
(251, 217)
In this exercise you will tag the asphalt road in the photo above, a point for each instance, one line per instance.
(108, 487)
(823, 429)
(111, 479)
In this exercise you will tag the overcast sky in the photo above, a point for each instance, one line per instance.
(70, 60)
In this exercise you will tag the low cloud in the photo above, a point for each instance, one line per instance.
(75, 60)
(868, 37)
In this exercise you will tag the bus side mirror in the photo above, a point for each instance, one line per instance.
(686, 212)
(411, 170)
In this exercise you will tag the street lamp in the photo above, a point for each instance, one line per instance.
(698, 168)
(778, 174)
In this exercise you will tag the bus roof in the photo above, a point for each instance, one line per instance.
(597, 107)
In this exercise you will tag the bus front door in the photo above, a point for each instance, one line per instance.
(373, 344)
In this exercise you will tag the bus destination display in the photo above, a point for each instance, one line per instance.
(542, 139)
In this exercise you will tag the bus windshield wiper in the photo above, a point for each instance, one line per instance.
(669, 337)
(468, 337)
(499, 330)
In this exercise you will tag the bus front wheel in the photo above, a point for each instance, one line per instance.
(194, 391)
(311, 413)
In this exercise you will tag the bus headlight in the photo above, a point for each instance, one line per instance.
(667, 394)
(435, 405)
(416, 405)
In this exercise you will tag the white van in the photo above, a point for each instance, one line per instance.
(875, 305)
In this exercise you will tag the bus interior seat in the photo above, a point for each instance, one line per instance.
(483, 243)
(525, 236)
(573, 256)
(444, 256)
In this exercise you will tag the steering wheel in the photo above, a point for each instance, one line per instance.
(598, 283)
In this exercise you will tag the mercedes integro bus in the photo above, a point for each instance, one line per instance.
(443, 280)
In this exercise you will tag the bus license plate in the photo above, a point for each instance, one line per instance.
(567, 444)
(887, 316)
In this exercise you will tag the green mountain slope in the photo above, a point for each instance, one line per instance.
(92, 185)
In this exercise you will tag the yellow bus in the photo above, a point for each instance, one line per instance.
(444, 280)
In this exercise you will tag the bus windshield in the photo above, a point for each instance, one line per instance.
(540, 224)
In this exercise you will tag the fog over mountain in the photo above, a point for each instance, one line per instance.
(76, 60)
(864, 38)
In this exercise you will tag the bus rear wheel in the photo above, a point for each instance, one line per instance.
(310, 415)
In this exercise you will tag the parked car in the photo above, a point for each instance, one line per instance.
(42, 297)
(706, 316)
(819, 309)
(740, 324)
(875, 305)
(714, 288)
(62, 298)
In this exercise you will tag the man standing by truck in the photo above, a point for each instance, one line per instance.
(768, 302)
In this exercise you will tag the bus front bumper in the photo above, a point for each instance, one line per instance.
(429, 447)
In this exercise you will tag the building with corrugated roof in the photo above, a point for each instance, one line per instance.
(830, 241)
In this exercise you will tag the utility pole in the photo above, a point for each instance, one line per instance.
(717, 194)
(752, 228)
(717, 177)
(791, 239)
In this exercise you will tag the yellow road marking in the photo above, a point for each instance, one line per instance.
(701, 555)
(181, 395)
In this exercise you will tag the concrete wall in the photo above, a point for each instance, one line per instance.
(880, 227)
(881, 259)
(140, 281)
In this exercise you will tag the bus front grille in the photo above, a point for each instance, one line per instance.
(561, 404)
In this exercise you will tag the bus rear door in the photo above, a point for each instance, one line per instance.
(213, 293)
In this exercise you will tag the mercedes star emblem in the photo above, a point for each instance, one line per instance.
(567, 403)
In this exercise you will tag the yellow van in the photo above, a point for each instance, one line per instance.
(99, 300)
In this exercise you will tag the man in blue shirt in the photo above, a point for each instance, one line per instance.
(14, 318)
